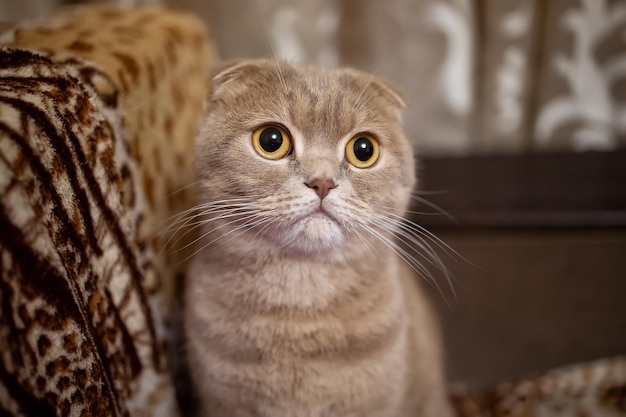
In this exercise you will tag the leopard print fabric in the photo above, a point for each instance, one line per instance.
(594, 389)
(158, 61)
(96, 131)
(77, 330)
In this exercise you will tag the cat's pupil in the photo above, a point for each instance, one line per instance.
(271, 139)
(363, 149)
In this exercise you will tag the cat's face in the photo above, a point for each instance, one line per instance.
(304, 158)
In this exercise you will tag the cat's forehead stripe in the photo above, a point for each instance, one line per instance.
(322, 108)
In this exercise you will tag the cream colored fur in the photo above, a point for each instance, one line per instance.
(289, 312)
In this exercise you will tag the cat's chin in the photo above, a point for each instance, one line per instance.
(315, 234)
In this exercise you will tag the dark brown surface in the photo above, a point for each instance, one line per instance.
(539, 190)
(534, 300)
(544, 283)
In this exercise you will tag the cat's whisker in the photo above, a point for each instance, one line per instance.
(223, 213)
(433, 206)
(256, 223)
(218, 203)
(416, 229)
(404, 255)
(438, 211)
(372, 250)
(242, 226)
(190, 222)
(186, 221)
(369, 81)
(403, 221)
(261, 231)
(211, 207)
(211, 204)
(413, 234)
(423, 249)
(453, 254)
(420, 213)
(415, 242)
(198, 223)
(431, 256)
(203, 236)
(238, 217)
(183, 188)
(288, 242)
(429, 192)
(421, 243)
(276, 62)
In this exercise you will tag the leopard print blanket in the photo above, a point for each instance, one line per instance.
(593, 389)
(88, 158)
(78, 329)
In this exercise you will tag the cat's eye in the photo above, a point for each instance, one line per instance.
(271, 141)
(362, 151)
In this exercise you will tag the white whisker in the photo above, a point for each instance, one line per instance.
(178, 190)
(372, 250)
(414, 237)
(237, 215)
(221, 236)
(245, 227)
(276, 62)
(402, 222)
(202, 206)
(416, 228)
(189, 220)
(408, 258)
(433, 206)
(191, 217)
(369, 81)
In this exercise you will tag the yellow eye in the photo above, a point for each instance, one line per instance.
(271, 141)
(362, 151)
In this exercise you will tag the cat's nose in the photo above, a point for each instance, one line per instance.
(321, 186)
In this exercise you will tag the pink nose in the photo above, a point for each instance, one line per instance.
(321, 186)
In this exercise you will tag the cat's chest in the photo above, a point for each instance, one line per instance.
(277, 313)
(307, 361)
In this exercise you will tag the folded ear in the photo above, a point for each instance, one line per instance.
(380, 86)
(229, 72)
(222, 71)
(390, 92)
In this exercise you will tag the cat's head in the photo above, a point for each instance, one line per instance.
(301, 157)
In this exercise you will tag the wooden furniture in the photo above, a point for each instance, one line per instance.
(546, 238)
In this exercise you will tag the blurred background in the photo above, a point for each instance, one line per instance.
(518, 111)
(482, 76)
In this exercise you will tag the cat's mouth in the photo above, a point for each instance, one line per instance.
(320, 214)
(314, 232)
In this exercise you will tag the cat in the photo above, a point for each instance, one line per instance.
(297, 303)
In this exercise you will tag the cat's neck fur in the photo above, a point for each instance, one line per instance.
(268, 278)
